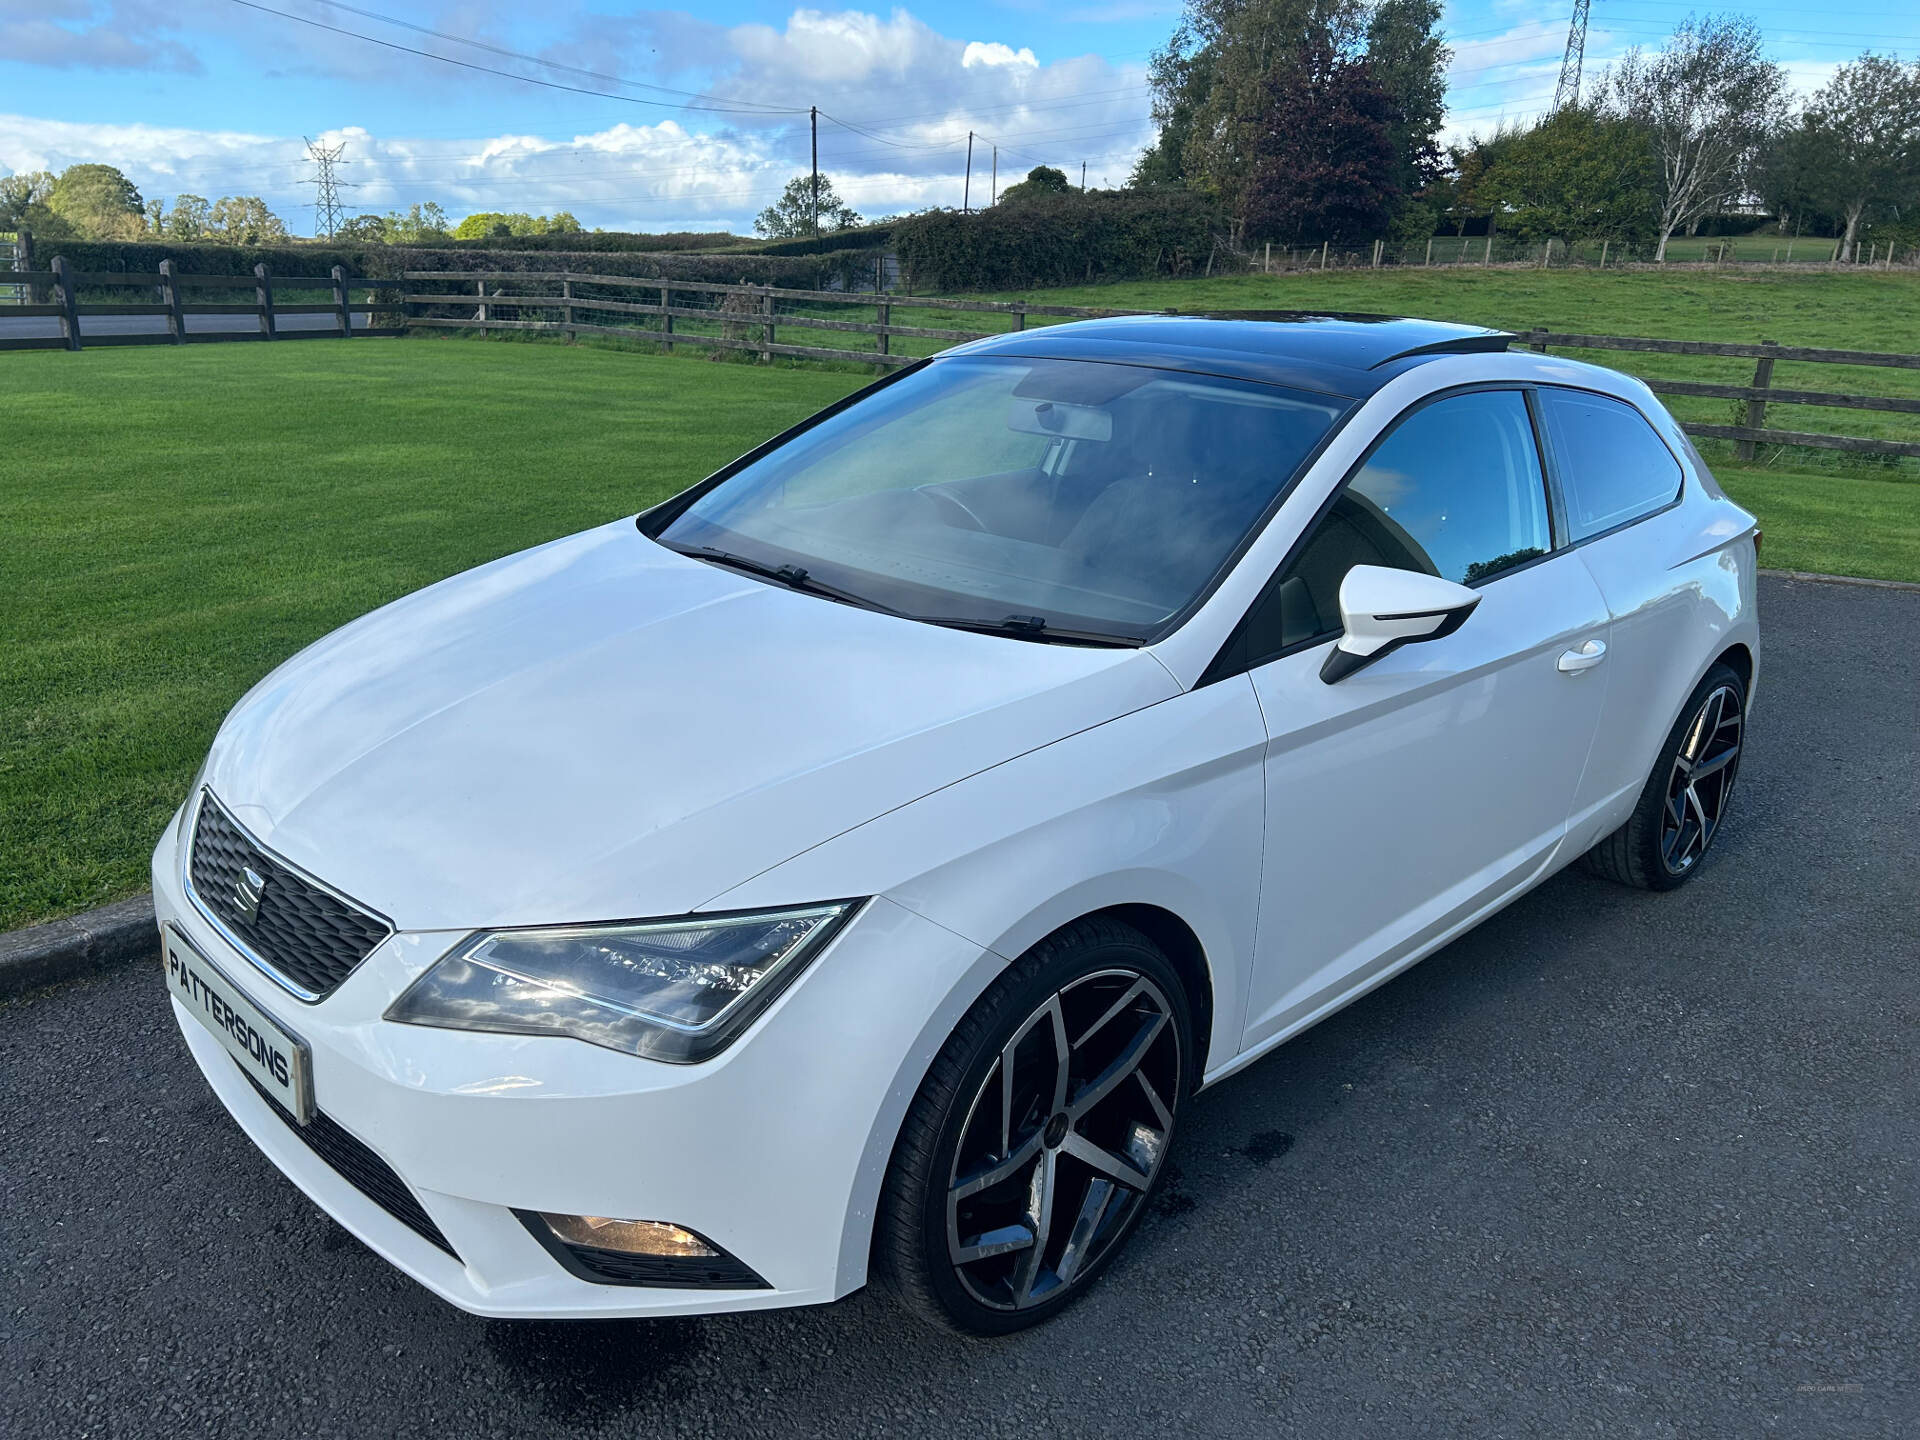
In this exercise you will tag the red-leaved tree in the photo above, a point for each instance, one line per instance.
(1323, 161)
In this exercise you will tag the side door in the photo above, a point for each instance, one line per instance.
(1620, 489)
(1427, 787)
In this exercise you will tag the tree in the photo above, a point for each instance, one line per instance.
(1042, 181)
(191, 218)
(1859, 149)
(419, 225)
(1580, 174)
(1323, 162)
(21, 193)
(363, 230)
(792, 215)
(1211, 82)
(1707, 101)
(495, 222)
(1784, 174)
(244, 220)
(98, 202)
(1409, 60)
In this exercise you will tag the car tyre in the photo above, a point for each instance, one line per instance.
(1684, 804)
(1009, 1194)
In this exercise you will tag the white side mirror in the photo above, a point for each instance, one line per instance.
(1383, 609)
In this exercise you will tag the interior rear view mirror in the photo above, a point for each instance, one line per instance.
(1382, 609)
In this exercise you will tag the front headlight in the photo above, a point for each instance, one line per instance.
(674, 990)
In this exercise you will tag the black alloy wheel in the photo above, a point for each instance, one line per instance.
(1033, 1147)
(1683, 807)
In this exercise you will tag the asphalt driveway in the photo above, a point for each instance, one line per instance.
(1614, 1164)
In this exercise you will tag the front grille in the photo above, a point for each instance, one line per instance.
(313, 938)
(360, 1168)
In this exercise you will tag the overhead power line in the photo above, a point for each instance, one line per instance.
(732, 108)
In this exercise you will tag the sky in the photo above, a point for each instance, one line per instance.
(702, 114)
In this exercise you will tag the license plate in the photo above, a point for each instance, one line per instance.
(279, 1061)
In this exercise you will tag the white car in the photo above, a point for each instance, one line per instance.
(851, 868)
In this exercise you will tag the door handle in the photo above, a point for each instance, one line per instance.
(1585, 657)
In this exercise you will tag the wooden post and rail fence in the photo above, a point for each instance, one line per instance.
(747, 318)
(176, 302)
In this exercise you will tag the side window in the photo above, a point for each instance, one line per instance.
(1612, 465)
(1455, 490)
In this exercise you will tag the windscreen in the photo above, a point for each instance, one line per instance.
(1066, 496)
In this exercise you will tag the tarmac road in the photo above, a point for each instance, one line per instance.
(1615, 1164)
(18, 327)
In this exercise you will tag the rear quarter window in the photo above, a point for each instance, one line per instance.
(1613, 466)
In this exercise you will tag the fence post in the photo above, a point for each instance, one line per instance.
(1266, 264)
(263, 301)
(766, 326)
(344, 315)
(170, 291)
(1487, 259)
(1429, 260)
(666, 320)
(1020, 318)
(480, 289)
(1323, 254)
(1539, 341)
(1603, 252)
(566, 311)
(884, 313)
(23, 252)
(1756, 404)
(68, 303)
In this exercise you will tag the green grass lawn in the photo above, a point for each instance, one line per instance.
(176, 522)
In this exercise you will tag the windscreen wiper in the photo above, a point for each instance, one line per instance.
(794, 577)
(1032, 627)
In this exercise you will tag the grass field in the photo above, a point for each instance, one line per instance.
(177, 522)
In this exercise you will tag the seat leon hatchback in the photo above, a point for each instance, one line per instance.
(852, 867)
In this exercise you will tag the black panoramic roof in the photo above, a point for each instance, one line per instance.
(1351, 355)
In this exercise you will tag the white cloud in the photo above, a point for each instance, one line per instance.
(897, 100)
(994, 53)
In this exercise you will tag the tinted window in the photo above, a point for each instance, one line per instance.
(1612, 465)
(1099, 497)
(1455, 490)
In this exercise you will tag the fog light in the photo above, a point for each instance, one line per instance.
(630, 1237)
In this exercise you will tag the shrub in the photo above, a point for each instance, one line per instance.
(1062, 240)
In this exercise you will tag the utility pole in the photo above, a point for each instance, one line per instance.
(1083, 177)
(966, 187)
(328, 211)
(1567, 92)
(813, 117)
(994, 194)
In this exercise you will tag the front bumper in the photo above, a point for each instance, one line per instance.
(774, 1150)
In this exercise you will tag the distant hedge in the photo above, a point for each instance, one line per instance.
(195, 259)
(798, 272)
(1063, 240)
(615, 240)
(727, 267)
(863, 237)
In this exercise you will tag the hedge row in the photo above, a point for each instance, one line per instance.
(141, 256)
(800, 272)
(864, 237)
(615, 240)
(727, 267)
(1064, 240)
